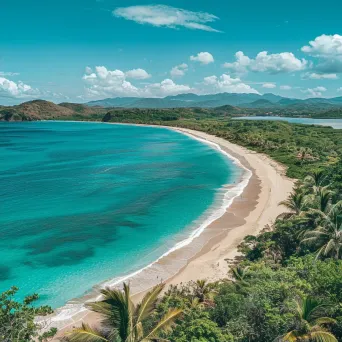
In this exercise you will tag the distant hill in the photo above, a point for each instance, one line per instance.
(179, 106)
(266, 101)
(179, 101)
(45, 110)
(262, 103)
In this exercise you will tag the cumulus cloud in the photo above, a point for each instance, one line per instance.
(167, 16)
(179, 70)
(316, 76)
(264, 62)
(269, 85)
(104, 82)
(339, 90)
(203, 58)
(325, 46)
(165, 88)
(328, 48)
(315, 92)
(225, 83)
(138, 74)
(18, 89)
(240, 66)
(285, 87)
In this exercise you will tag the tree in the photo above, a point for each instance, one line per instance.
(203, 290)
(124, 321)
(323, 198)
(327, 237)
(297, 203)
(309, 325)
(315, 180)
(17, 319)
(196, 326)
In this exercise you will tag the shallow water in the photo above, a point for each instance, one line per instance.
(86, 202)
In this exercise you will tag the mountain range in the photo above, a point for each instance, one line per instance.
(268, 100)
(185, 105)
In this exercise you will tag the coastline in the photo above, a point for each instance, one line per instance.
(250, 211)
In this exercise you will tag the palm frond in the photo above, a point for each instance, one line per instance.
(86, 334)
(115, 307)
(291, 336)
(325, 320)
(323, 336)
(148, 303)
(165, 324)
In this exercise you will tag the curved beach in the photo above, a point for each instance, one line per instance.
(251, 210)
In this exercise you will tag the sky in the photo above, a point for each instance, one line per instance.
(83, 50)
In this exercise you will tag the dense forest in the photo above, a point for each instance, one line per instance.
(286, 287)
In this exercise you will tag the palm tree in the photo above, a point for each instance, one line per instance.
(328, 235)
(203, 290)
(310, 323)
(315, 180)
(297, 204)
(123, 321)
(240, 274)
(304, 153)
(323, 198)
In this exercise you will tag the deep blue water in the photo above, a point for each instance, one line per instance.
(85, 202)
(335, 123)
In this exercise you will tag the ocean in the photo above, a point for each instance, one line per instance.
(83, 203)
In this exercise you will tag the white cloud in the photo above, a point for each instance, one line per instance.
(4, 73)
(271, 63)
(269, 85)
(225, 83)
(325, 46)
(167, 16)
(285, 87)
(339, 90)
(165, 88)
(328, 48)
(18, 89)
(138, 74)
(103, 82)
(315, 92)
(203, 58)
(316, 76)
(241, 65)
(179, 70)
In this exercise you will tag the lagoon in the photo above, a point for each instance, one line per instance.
(86, 202)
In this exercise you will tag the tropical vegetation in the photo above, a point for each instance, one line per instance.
(124, 321)
(287, 286)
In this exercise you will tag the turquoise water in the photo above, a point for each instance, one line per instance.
(335, 123)
(86, 202)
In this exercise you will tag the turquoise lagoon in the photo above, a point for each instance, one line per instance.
(82, 203)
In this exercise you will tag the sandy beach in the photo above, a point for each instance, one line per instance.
(249, 213)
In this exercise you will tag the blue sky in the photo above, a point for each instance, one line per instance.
(91, 49)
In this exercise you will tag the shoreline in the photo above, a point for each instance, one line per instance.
(246, 214)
